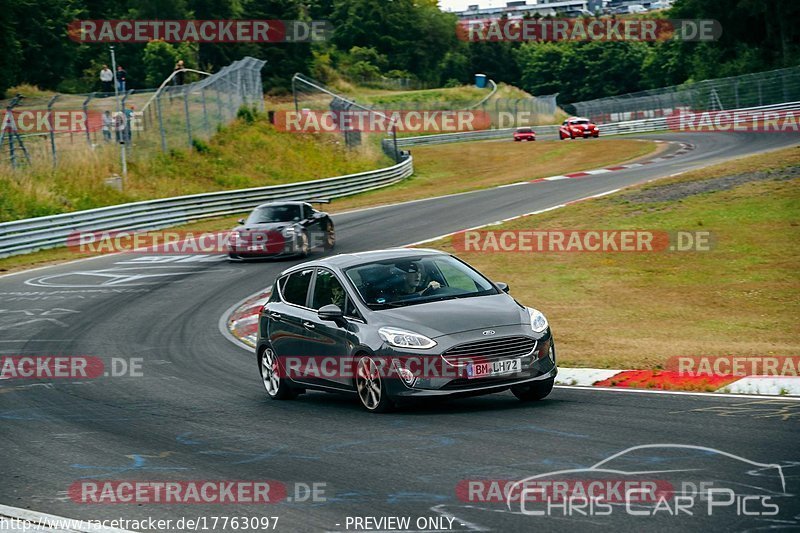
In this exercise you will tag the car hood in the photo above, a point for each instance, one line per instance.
(446, 317)
(270, 226)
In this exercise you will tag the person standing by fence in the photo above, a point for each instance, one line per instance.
(122, 78)
(106, 79)
(179, 73)
(108, 123)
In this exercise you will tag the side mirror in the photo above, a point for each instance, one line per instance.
(240, 221)
(502, 286)
(330, 312)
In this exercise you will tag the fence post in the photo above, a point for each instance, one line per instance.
(86, 115)
(161, 124)
(188, 119)
(50, 127)
(205, 111)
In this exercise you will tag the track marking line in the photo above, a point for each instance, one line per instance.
(34, 520)
(679, 393)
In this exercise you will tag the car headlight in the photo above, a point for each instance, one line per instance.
(288, 231)
(538, 320)
(406, 339)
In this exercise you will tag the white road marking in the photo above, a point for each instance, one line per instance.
(677, 393)
(27, 520)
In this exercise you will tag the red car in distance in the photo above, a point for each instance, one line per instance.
(524, 134)
(578, 127)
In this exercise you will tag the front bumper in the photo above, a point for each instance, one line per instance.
(246, 250)
(538, 365)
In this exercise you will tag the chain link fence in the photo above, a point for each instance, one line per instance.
(312, 96)
(47, 130)
(749, 90)
(312, 99)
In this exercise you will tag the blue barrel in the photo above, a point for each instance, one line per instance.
(480, 81)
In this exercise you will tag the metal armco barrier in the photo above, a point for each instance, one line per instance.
(23, 236)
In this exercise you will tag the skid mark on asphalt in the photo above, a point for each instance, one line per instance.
(784, 410)
(437, 441)
(240, 456)
(139, 463)
(15, 318)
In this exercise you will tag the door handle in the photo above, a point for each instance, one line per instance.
(275, 316)
(308, 325)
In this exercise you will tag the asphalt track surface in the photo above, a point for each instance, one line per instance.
(199, 411)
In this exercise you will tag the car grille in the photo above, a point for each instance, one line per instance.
(490, 350)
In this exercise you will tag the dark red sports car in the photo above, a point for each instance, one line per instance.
(524, 134)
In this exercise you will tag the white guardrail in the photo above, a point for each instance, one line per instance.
(28, 235)
(32, 234)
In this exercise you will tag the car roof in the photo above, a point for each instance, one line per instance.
(287, 202)
(578, 118)
(342, 261)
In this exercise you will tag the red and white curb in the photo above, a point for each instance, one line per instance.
(673, 380)
(241, 323)
(684, 148)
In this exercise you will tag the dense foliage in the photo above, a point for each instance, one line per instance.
(395, 38)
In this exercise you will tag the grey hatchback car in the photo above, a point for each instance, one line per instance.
(393, 325)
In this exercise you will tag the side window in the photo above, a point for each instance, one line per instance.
(350, 309)
(295, 288)
(327, 290)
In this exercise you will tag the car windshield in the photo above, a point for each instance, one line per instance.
(274, 213)
(409, 281)
(524, 130)
(580, 122)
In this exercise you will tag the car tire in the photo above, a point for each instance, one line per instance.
(277, 387)
(330, 237)
(572, 136)
(233, 257)
(531, 392)
(371, 387)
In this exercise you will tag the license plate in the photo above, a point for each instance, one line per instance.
(255, 247)
(494, 368)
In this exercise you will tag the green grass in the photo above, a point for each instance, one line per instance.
(241, 155)
(634, 310)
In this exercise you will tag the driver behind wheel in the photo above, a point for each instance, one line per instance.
(413, 278)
